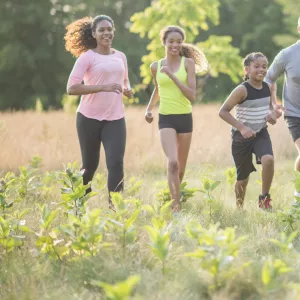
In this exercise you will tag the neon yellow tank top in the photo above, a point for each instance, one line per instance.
(172, 101)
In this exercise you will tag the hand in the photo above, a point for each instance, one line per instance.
(278, 110)
(166, 70)
(272, 117)
(128, 93)
(247, 132)
(149, 116)
(112, 87)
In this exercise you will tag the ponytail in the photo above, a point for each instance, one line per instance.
(191, 51)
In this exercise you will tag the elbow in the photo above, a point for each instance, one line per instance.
(221, 113)
(192, 97)
(70, 90)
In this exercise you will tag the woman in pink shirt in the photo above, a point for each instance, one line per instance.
(100, 76)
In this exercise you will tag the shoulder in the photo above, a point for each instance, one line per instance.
(120, 53)
(86, 57)
(189, 61)
(240, 91)
(153, 67)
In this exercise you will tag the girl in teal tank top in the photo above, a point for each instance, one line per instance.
(175, 86)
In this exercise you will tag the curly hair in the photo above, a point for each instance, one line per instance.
(79, 38)
(249, 58)
(187, 50)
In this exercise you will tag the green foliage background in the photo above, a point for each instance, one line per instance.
(34, 64)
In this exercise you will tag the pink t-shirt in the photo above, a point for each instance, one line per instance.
(97, 69)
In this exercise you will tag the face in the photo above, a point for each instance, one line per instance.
(173, 43)
(104, 33)
(257, 69)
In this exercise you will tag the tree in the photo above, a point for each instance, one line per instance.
(194, 16)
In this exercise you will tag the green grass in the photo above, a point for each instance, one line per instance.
(26, 273)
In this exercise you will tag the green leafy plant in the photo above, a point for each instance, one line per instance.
(159, 213)
(230, 174)
(134, 186)
(8, 241)
(119, 291)
(86, 235)
(159, 242)
(73, 190)
(47, 241)
(124, 218)
(272, 271)
(208, 186)
(217, 251)
(286, 242)
(164, 194)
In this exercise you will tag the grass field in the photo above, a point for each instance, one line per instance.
(48, 253)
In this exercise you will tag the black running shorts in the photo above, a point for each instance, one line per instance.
(242, 150)
(182, 123)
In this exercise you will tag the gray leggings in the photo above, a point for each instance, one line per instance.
(112, 134)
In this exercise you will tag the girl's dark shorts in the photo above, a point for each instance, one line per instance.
(242, 150)
(182, 123)
(293, 124)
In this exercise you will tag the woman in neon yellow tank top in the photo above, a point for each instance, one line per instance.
(175, 86)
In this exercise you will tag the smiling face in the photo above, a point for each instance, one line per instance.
(257, 69)
(173, 43)
(104, 33)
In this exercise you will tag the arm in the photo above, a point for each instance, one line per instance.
(75, 85)
(237, 96)
(276, 69)
(276, 110)
(127, 91)
(154, 97)
(189, 91)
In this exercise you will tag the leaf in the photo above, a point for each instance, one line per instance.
(214, 185)
(266, 276)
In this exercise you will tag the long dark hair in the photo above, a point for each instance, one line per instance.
(79, 38)
(187, 50)
(249, 58)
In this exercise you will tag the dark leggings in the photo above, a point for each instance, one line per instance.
(112, 134)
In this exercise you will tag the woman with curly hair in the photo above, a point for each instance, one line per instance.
(175, 86)
(100, 76)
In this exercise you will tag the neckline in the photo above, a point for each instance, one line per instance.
(106, 55)
(255, 87)
(179, 65)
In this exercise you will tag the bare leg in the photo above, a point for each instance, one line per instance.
(168, 138)
(267, 162)
(297, 162)
(240, 191)
(184, 142)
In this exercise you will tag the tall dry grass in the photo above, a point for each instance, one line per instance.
(53, 136)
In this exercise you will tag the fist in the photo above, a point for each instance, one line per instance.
(128, 93)
(149, 116)
(247, 132)
(166, 70)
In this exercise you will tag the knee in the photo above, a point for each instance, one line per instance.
(181, 174)
(173, 166)
(115, 164)
(241, 183)
(267, 161)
